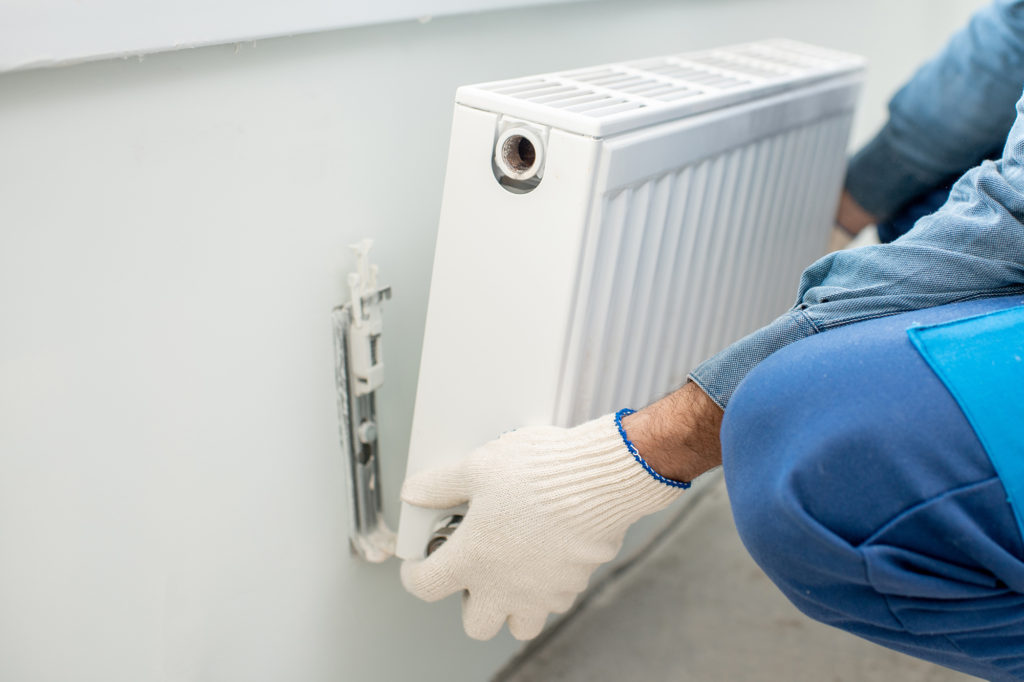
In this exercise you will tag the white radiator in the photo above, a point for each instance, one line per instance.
(604, 230)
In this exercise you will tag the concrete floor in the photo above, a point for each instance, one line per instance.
(695, 607)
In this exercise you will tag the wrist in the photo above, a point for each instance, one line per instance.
(674, 483)
(678, 436)
(851, 216)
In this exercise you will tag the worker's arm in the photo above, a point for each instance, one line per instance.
(954, 112)
(973, 247)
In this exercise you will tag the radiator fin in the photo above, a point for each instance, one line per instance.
(658, 264)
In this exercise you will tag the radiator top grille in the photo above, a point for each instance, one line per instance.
(616, 98)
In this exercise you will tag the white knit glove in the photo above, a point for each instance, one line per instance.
(547, 506)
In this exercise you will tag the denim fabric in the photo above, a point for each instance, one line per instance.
(954, 112)
(898, 225)
(860, 488)
(971, 248)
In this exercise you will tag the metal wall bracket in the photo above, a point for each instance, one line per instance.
(358, 373)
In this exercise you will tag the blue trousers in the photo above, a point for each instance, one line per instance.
(859, 487)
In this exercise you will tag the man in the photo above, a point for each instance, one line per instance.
(876, 470)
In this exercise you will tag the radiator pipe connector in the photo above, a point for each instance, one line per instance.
(519, 154)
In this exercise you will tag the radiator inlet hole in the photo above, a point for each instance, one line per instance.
(519, 153)
(519, 159)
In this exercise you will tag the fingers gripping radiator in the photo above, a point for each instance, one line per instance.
(604, 230)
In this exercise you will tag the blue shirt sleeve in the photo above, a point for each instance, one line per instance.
(972, 247)
(954, 112)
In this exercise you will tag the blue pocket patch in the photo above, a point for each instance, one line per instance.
(981, 361)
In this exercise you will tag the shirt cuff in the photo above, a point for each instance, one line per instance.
(719, 375)
(882, 179)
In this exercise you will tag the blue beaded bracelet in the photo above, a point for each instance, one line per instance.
(636, 455)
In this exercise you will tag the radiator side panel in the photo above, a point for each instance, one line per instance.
(500, 297)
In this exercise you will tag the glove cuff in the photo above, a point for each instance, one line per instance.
(613, 470)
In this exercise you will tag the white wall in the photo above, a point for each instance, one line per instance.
(172, 238)
(35, 33)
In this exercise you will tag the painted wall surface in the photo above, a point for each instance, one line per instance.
(173, 235)
(36, 33)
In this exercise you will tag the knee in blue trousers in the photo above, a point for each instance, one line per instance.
(862, 491)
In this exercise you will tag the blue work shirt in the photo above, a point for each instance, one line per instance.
(956, 107)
